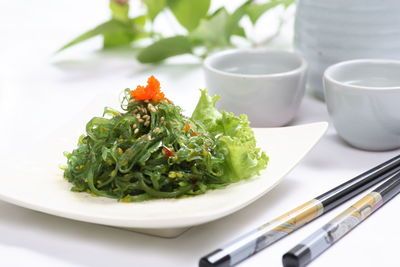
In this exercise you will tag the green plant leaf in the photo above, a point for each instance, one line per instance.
(239, 31)
(189, 12)
(134, 30)
(117, 38)
(233, 27)
(165, 48)
(154, 7)
(255, 11)
(139, 20)
(105, 28)
(212, 32)
(119, 11)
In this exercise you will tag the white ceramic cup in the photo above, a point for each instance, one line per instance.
(363, 98)
(330, 31)
(266, 85)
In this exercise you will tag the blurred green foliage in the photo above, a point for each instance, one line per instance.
(205, 30)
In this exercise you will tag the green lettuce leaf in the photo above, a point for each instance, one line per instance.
(235, 139)
(205, 111)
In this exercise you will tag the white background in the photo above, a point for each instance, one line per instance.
(39, 91)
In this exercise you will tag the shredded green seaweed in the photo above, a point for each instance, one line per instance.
(150, 150)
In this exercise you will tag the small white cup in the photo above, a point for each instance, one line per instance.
(266, 85)
(363, 98)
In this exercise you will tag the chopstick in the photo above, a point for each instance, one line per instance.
(325, 237)
(267, 234)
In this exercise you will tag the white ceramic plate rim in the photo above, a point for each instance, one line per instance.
(176, 220)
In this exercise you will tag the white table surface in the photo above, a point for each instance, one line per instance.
(38, 92)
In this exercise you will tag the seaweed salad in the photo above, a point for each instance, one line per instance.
(151, 150)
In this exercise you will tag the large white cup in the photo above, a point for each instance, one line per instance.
(331, 31)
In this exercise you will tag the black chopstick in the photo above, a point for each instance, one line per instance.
(265, 235)
(325, 237)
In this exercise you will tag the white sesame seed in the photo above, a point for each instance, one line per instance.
(136, 131)
(141, 120)
(151, 108)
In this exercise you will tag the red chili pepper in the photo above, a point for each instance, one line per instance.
(168, 152)
(187, 127)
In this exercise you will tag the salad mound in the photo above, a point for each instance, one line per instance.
(150, 150)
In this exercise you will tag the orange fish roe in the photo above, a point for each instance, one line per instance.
(149, 92)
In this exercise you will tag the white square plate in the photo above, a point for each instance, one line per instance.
(37, 183)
